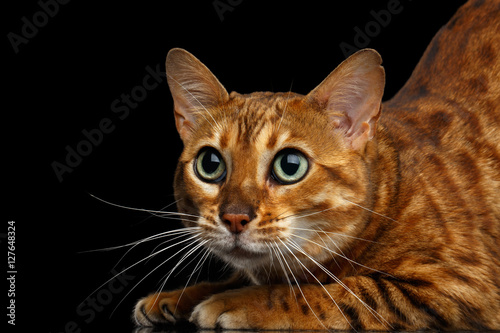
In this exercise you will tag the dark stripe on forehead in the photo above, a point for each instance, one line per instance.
(224, 139)
(251, 120)
(252, 113)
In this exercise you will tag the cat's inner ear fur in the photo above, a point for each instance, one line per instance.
(351, 96)
(194, 90)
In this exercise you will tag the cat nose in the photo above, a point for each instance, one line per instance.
(235, 222)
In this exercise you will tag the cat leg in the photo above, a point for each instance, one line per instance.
(361, 303)
(275, 307)
(173, 307)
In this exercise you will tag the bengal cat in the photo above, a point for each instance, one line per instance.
(337, 211)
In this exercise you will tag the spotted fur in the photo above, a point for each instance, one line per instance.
(395, 225)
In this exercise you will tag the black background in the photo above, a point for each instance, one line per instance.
(64, 80)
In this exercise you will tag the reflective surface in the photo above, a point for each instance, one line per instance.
(191, 329)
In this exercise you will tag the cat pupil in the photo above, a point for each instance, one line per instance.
(291, 164)
(211, 164)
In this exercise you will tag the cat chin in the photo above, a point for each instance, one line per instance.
(242, 258)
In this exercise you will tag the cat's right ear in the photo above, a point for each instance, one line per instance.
(194, 88)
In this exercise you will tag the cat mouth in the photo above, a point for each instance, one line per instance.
(240, 252)
(239, 249)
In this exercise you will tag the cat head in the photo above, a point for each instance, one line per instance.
(269, 173)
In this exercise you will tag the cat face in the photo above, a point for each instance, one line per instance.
(266, 175)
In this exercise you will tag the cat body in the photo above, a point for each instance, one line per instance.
(338, 212)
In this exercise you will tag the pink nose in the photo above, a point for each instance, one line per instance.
(235, 222)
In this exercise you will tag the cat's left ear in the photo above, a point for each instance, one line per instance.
(352, 95)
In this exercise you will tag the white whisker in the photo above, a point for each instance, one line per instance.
(310, 214)
(173, 217)
(319, 283)
(198, 267)
(340, 255)
(177, 232)
(136, 243)
(331, 208)
(336, 279)
(140, 261)
(180, 235)
(145, 210)
(179, 262)
(372, 211)
(331, 254)
(276, 249)
(336, 234)
(193, 259)
(284, 110)
(271, 264)
(334, 244)
(157, 267)
(297, 283)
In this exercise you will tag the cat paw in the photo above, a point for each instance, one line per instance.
(159, 310)
(222, 311)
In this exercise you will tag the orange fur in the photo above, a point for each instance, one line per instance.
(395, 225)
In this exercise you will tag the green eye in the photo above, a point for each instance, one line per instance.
(209, 165)
(289, 166)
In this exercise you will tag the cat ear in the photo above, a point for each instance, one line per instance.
(194, 89)
(351, 96)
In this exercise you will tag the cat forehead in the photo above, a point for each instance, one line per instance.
(260, 102)
(256, 118)
(259, 122)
